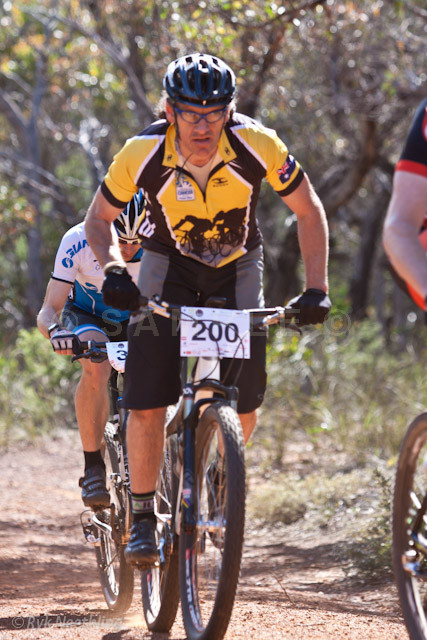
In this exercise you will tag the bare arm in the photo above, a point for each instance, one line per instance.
(99, 230)
(312, 233)
(404, 219)
(56, 296)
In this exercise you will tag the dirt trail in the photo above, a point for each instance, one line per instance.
(292, 586)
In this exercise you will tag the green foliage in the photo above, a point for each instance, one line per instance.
(89, 75)
(342, 383)
(338, 404)
(36, 389)
(315, 492)
(369, 553)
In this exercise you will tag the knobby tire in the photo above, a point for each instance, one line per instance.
(210, 558)
(410, 489)
(117, 577)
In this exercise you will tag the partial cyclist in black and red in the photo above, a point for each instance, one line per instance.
(405, 227)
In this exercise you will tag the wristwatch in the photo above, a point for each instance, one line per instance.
(52, 328)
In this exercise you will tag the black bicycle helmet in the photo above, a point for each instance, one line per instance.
(200, 79)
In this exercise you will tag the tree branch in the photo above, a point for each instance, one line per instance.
(13, 113)
(284, 18)
(119, 59)
(344, 182)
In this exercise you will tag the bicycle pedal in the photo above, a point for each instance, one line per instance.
(90, 533)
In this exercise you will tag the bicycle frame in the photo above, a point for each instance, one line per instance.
(202, 382)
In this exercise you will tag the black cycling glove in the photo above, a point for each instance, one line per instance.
(119, 290)
(311, 307)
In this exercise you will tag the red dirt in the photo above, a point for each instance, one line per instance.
(292, 584)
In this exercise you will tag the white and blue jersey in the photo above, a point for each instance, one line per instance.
(75, 263)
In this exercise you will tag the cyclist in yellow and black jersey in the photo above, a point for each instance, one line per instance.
(201, 169)
(192, 220)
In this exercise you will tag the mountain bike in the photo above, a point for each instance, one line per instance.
(200, 497)
(108, 528)
(410, 528)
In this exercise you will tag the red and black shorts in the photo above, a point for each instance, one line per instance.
(152, 377)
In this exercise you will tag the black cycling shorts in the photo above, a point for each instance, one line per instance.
(78, 320)
(152, 376)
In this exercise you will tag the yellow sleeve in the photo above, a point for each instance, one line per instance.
(123, 173)
(283, 171)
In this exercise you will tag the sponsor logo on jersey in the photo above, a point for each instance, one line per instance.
(219, 182)
(184, 190)
(287, 169)
(68, 261)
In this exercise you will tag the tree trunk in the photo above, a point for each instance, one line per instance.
(281, 268)
(369, 240)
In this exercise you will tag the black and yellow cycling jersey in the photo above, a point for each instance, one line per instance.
(214, 227)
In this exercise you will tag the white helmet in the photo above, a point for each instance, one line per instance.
(129, 221)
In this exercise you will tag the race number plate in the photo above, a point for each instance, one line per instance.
(117, 352)
(212, 332)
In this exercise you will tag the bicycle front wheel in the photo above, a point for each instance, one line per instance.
(115, 573)
(410, 528)
(210, 553)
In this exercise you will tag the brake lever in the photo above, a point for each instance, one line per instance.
(93, 351)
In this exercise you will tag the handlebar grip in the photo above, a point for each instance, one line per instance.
(77, 346)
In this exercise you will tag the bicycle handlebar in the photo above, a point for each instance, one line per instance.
(269, 315)
(86, 349)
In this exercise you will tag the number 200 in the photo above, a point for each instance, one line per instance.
(216, 331)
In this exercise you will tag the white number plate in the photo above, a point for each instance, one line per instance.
(117, 352)
(215, 332)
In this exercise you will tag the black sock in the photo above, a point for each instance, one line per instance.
(143, 506)
(92, 458)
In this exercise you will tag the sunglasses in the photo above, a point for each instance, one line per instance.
(193, 118)
(123, 241)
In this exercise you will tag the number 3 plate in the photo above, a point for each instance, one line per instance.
(215, 332)
(117, 352)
